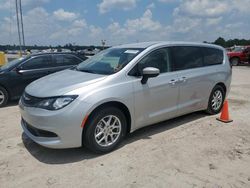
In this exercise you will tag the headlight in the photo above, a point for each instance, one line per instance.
(56, 103)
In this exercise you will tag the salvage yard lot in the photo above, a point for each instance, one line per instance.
(191, 151)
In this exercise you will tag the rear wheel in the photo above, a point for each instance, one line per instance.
(105, 130)
(3, 97)
(235, 61)
(216, 100)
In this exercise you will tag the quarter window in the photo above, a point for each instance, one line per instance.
(212, 56)
(71, 60)
(186, 57)
(64, 60)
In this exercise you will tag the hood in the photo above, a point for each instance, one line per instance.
(61, 82)
(2, 71)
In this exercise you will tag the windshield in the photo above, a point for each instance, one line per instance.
(12, 63)
(109, 61)
(238, 49)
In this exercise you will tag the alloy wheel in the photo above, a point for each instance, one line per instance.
(107, 130)
(217, 100)
(2, 97)
(235, 62)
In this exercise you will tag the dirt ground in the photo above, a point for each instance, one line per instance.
(191, 151)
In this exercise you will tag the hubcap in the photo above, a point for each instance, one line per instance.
(217, 100)
(1, 97)
(108, 130)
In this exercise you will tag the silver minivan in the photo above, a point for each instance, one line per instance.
(122, 89)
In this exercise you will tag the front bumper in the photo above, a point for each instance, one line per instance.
(54, 129)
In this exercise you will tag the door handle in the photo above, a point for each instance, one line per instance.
(182, 79)
(172, 82)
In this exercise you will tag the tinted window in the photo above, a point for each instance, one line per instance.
(58, 59)
(212, 56)
(186, 57)
(158, 59)
(37, 62)
(71, 60)
(13, 63)
(63, 60)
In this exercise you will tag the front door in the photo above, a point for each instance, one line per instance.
(156, 100)
(31, 70)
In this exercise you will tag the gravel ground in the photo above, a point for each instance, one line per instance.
(191, 151)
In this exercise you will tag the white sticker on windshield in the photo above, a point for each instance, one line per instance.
(131, 51)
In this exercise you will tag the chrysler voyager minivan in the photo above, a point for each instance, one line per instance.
(122, 89)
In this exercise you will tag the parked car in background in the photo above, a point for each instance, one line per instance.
(122, 89)
(17, 74)
(239, 54)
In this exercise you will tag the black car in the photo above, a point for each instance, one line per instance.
(17, 74)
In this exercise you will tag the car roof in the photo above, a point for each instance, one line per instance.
(137, 45)
(162, 43)
(52, 53)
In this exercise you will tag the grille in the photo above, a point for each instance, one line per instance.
(29, 100)
(38, 132)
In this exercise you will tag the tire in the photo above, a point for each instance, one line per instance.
(214, 108)
(4, 97)
(96, 126)
(235, 61)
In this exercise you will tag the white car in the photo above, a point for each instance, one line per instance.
(122, 89)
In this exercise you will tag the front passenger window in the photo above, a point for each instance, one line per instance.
(158, 59)
(37, 63)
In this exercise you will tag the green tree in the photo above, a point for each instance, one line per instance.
(220, 41)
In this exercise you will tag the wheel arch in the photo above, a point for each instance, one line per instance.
(234, 57)
(116, 104)
(223, 86)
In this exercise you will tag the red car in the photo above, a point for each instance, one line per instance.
(240, 54)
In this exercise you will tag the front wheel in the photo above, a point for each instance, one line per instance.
(235, 61)
(3, 97)
(216, 100)
(105, 129)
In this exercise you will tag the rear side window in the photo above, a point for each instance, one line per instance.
(212, 56)
(186, 57)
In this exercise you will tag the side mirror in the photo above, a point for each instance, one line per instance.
(18, 70)
(149, 72)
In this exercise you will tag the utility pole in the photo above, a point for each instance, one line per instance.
(21, 16)
(18, 28)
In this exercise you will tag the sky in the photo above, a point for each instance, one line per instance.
(87, 22)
